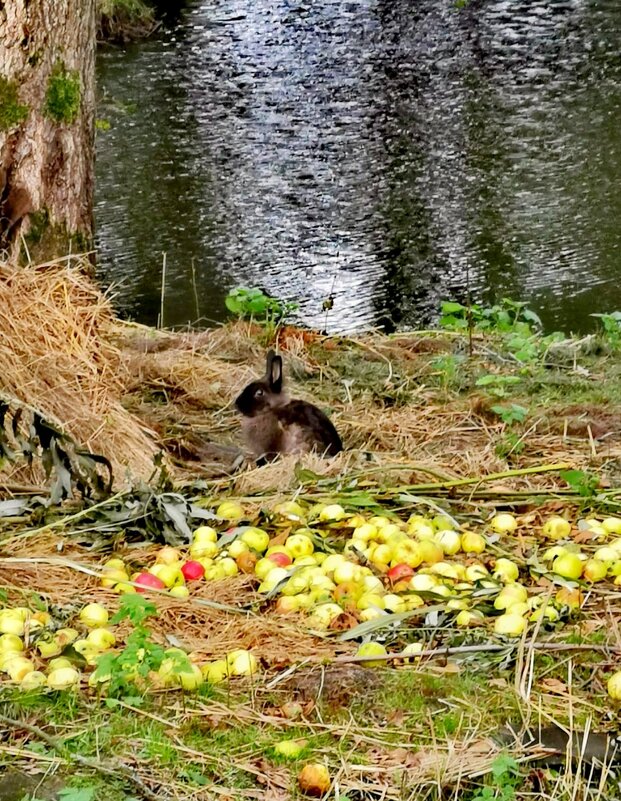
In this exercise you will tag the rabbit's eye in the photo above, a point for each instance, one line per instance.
(258, 393)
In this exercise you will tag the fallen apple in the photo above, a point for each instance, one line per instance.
(230, 510)
(101, 638)
(314, 779)
(299, 545)
(94, 615)
(614, 686)
(569, 565)
(556, 528)
(291, 749)
(612, 525)
(168, 555)
(372, 649)
(472, 542)
(216, 672)
(246, 562)
(180, 591)
(279, 558)
(255, 538)
(33, 680)
(594, 570)
(192, 570)
(148, 581)
(11, 643)
(204, 534)
(242, 663)
(63, 678)
(449, 541)
(399, 572)
(510, 625)
(506, 570)
(504, 523)
(332, 513)
(18, 668)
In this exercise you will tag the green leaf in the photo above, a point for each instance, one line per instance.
(504, 764)
(77, 794)
(579, 481)
(177, 513)
(451, 307)
(134, 607)
(386, 621)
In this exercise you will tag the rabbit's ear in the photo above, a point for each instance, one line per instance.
(274, 372)
(271, 355)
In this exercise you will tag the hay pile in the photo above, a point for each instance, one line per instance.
(56, 357)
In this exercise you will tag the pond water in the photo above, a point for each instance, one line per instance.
(390, 153)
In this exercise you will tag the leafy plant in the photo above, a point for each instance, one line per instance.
(506, 776)
(514, 413)
(129, 669)
(496, 384)
(611, 323)
(509, 444)
(508, 315)
(449, 367)
(579, 481)
(77, 793)
(253, 303)
(519, 326)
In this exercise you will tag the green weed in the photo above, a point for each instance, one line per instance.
(252, 303)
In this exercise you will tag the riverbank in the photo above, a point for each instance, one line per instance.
(457, 422)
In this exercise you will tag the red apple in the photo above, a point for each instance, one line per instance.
(280, 558)
(192, 570)
(148, 580)
(399, 572)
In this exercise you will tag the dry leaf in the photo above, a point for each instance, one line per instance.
(553, 686)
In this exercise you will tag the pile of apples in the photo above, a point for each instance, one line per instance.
(385, 565)
(30, 653)
(339, 569)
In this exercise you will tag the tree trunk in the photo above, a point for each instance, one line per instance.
(47, 124)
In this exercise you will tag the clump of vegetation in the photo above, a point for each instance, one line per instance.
(253, 304)
(519, 326)
(12, 112)
(62, 99)
(124, 20)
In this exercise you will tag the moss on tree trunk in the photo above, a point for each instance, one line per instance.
(47, 50)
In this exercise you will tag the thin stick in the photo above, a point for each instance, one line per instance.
(116, 772)
(476, 649)
(195, 290)
(163, 293)
(463, 482)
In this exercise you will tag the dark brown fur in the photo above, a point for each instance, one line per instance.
(275, 424)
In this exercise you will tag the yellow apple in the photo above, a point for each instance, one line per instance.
(556, 528)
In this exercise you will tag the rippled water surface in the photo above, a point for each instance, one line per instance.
(391, 152)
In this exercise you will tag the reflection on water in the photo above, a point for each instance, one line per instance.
(391, 152)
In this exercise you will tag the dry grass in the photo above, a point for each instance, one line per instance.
(382, 393)
(55, 356)
(125, 390)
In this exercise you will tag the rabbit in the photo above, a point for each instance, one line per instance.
(273, 423)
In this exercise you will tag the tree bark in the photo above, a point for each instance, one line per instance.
(47, 125)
